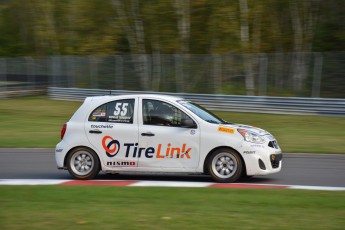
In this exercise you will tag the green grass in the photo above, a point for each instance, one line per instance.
(59, 207)
(33, 121)
(297, 133)
(37, 121)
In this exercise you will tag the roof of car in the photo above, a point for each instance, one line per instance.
(153, 96)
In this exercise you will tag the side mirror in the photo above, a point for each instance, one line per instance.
(188, 123)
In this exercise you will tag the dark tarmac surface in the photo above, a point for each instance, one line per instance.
(298, 169)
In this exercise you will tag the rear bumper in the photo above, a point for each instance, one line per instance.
(60, 154)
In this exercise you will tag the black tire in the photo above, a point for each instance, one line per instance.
(83, 163)
(225, 165)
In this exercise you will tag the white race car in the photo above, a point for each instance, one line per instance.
(161, 134)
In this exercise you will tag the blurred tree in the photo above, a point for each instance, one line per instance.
(330, 29)
(15, 29)
(179, 27)
(88, 27)
(183, 21)
(130, 19)
(43, 27)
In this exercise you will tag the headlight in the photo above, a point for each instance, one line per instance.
(251, 136)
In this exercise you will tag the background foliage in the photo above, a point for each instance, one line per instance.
(64, 27)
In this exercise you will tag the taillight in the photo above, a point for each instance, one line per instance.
(63, 131)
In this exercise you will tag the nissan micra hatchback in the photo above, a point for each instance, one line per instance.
(162, 134)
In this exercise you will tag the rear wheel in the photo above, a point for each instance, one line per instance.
(83, 163)
(225, 165)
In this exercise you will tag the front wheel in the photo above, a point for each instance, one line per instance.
(83, 163)
(225, 166)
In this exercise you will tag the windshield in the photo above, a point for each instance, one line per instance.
(202, 112)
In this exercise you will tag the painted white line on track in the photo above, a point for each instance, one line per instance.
(323, 188)
(170, 184)
(31, 182)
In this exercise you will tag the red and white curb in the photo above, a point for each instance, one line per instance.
(160, 184)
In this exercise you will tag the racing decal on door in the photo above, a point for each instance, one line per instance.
(112, 148)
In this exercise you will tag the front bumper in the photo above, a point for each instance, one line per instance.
(261, 159)
(276, 159)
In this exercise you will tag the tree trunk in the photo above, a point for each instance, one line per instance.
(156, 66)
(297, 59)
(183, 22)
(303, 19)
(136, 39)
(248, 61)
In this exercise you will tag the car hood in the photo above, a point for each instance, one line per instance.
(249, 128)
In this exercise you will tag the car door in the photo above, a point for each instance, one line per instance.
(109, 128)
(166, 142)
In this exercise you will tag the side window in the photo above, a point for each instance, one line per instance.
(99, 114)
(120, 111)
(161, 113)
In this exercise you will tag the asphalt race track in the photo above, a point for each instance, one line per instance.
(298, 169)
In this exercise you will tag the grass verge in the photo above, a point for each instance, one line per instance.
(37, 121)
(59, 207)
(298, 133)
(33, 122)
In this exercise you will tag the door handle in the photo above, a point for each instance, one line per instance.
(149, 134)
(95, 131)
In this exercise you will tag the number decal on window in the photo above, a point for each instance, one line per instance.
(124, 109)
(120, 110)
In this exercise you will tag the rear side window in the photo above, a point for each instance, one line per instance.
(120, 111)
